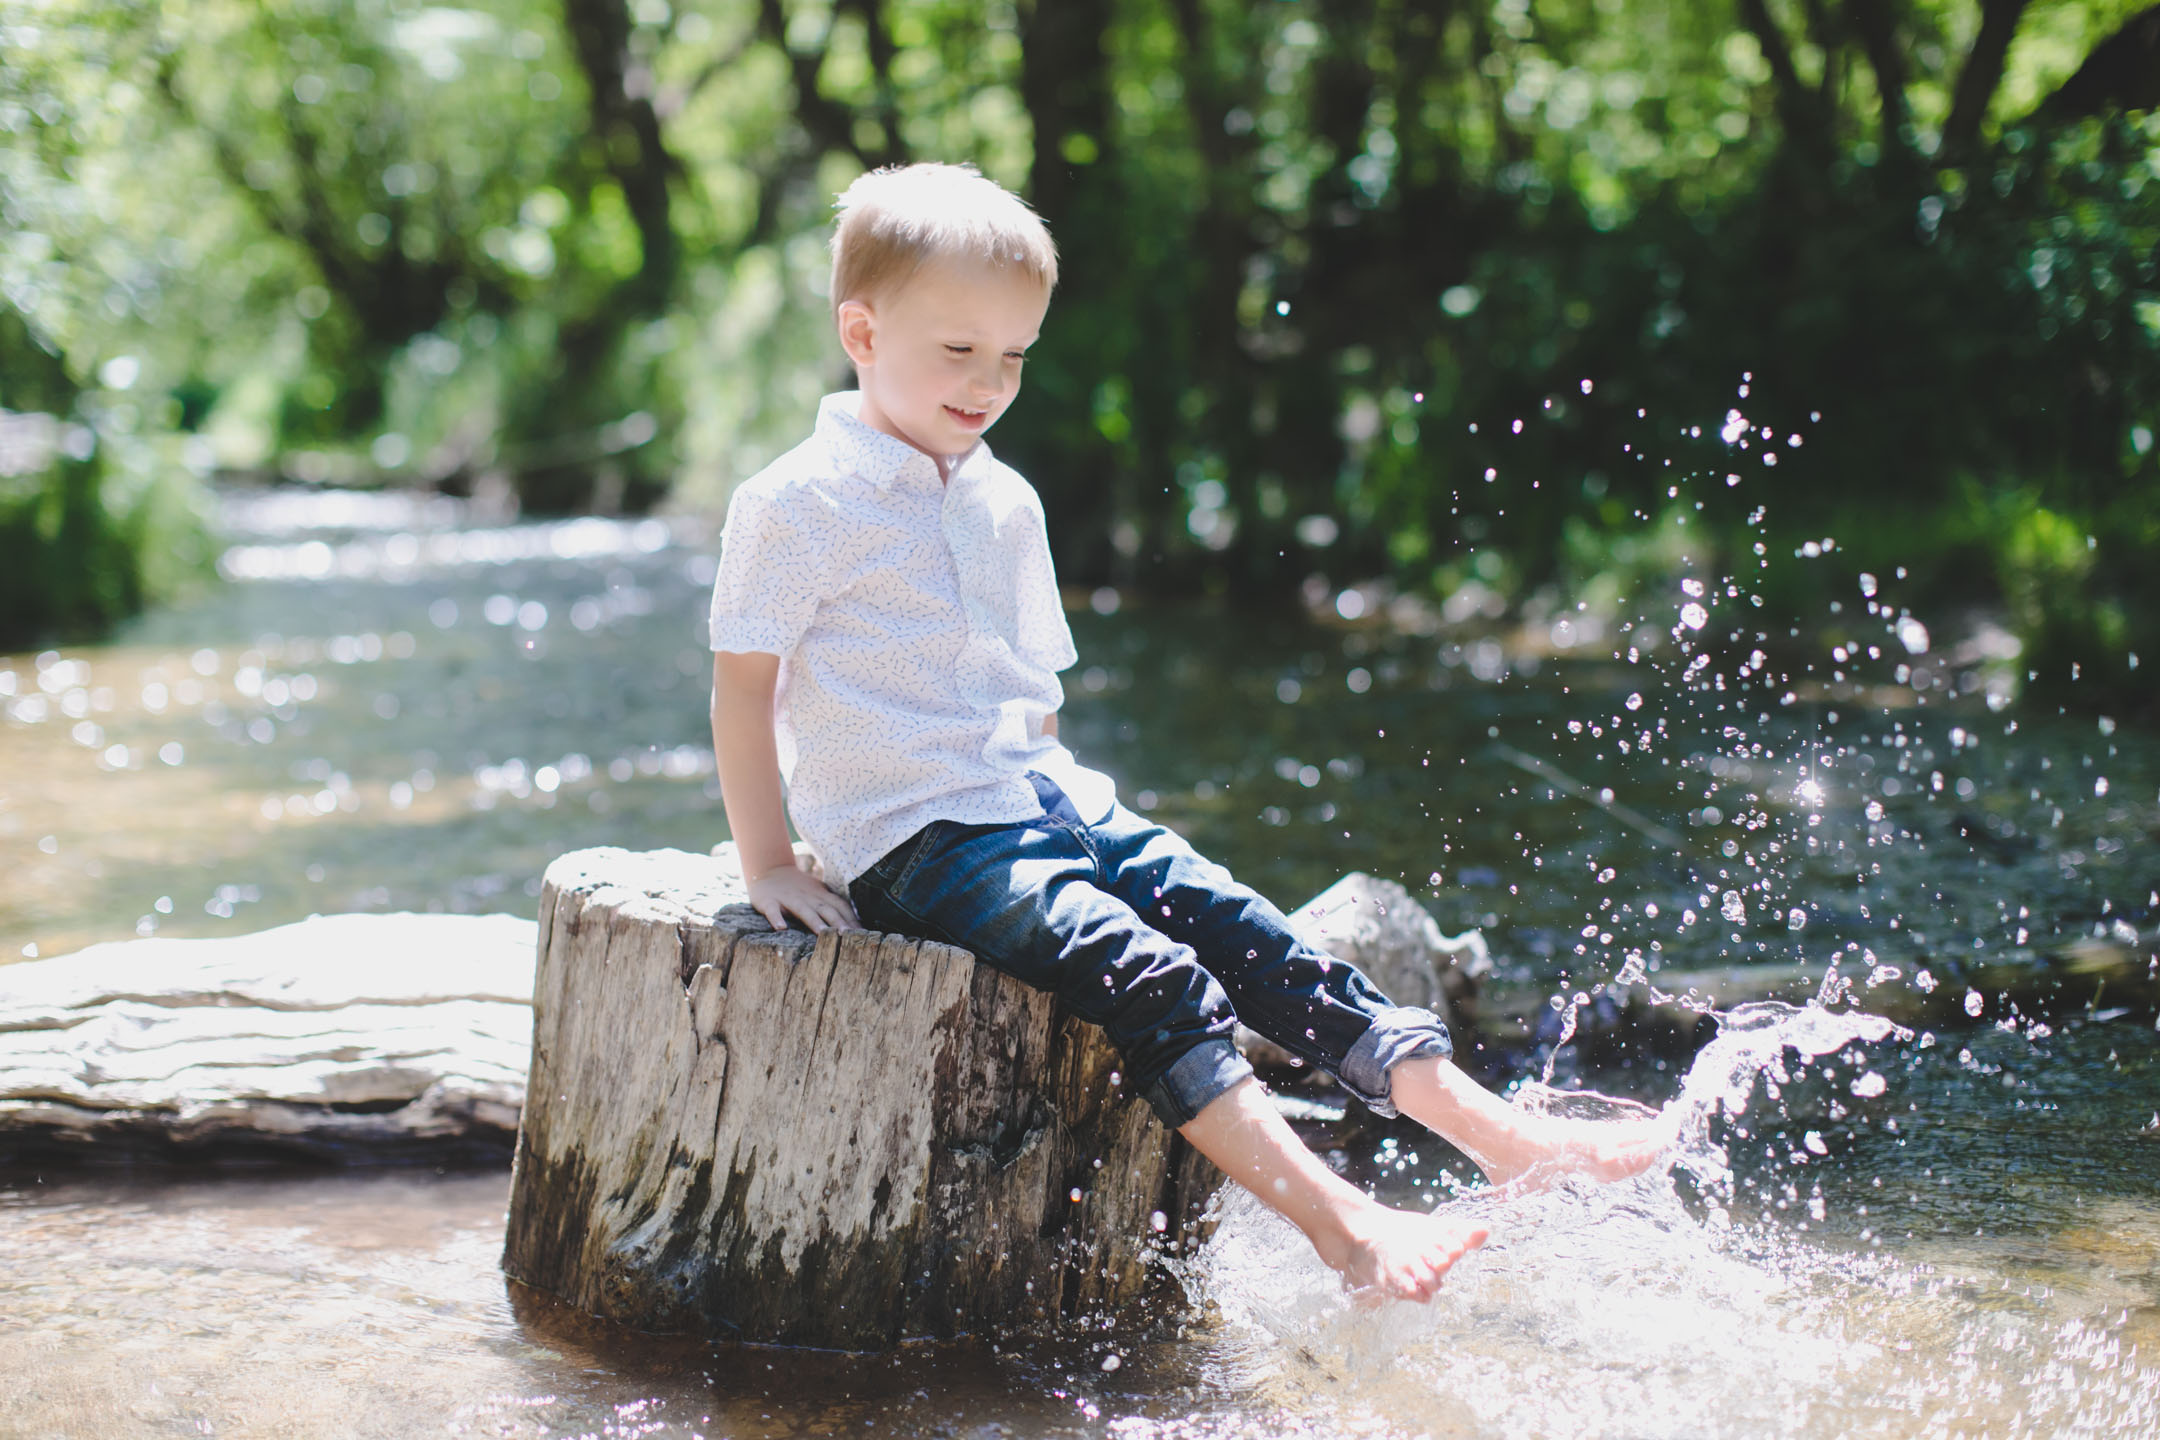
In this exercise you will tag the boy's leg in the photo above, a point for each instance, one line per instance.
(1394, 1254)
(1393, 1058)
(1023, 898)
(1320, 1009)
(1510, 1144)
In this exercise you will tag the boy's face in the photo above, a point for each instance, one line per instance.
(938, 358)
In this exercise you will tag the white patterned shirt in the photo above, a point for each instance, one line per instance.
(919, 632)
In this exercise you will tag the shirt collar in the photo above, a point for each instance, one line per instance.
(875, 456)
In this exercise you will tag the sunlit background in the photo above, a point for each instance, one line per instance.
(1672, 485)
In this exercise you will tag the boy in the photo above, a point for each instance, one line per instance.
(887, 633)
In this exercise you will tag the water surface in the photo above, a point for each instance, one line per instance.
(392, 708)
(1983, 1269)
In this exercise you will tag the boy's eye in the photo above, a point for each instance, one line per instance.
(958, 349)
(1016, 355)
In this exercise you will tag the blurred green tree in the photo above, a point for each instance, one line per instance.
(1321, 256)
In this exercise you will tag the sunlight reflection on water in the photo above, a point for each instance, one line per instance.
(393, 706)
(371, 1305)
(1643, 1309)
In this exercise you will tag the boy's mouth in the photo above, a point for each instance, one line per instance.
(972, 419)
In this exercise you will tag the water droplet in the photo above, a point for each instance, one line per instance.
(1974, 1004)
(1634, 701)
(1694, 616)
(1869, 1085)
(1796, 919)
(1733, 908)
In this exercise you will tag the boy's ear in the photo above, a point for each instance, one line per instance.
(858, 331)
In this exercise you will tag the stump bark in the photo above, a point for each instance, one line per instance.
(842, 1140)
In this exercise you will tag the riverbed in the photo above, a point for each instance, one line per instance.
(388, 707)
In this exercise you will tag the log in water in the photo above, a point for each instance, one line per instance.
(342, 1038)
(840, 1140)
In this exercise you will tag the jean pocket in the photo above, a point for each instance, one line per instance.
(894, 871)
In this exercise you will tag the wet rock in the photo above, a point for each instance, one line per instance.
(343, 1037)
(1671, 1014)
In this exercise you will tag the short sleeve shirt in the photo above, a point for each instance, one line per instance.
(919, 631)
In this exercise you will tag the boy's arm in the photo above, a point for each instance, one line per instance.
(750, 788)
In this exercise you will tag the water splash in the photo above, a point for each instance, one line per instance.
(1638, 1309)
(1750, 1044)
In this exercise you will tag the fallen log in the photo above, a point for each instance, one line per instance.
(341, 1038)
(1672, 1013)
(842, 1140)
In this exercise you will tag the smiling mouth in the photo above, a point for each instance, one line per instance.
(969, 418)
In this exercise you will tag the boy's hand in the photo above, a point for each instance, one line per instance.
(786, 890)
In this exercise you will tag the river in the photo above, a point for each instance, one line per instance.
(389, 706)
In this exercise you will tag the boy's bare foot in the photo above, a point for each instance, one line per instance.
(1398, 1254)
(1545, 1147)
(1380, 1253)
(1523, 1148)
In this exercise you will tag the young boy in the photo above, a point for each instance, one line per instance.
(887, 635)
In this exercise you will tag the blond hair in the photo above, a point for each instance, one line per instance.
(894, 221)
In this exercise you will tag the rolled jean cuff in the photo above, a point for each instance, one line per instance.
(1193, 1082)
(1403, 1033)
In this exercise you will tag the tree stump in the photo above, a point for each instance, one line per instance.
(840, 1140)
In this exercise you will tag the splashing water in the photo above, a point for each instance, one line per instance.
(1750, 1043)
(1642, 1309)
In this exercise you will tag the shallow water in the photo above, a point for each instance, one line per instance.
(1978, 1270)
(389, 708)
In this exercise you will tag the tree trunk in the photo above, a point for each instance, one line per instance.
(842, 1140)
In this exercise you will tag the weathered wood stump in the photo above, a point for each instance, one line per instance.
(841, 1140)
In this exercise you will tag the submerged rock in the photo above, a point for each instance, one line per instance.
(343, 1037)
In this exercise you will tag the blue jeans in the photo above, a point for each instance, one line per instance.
(1131, 929)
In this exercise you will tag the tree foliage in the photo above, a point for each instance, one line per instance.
(1320, 255)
